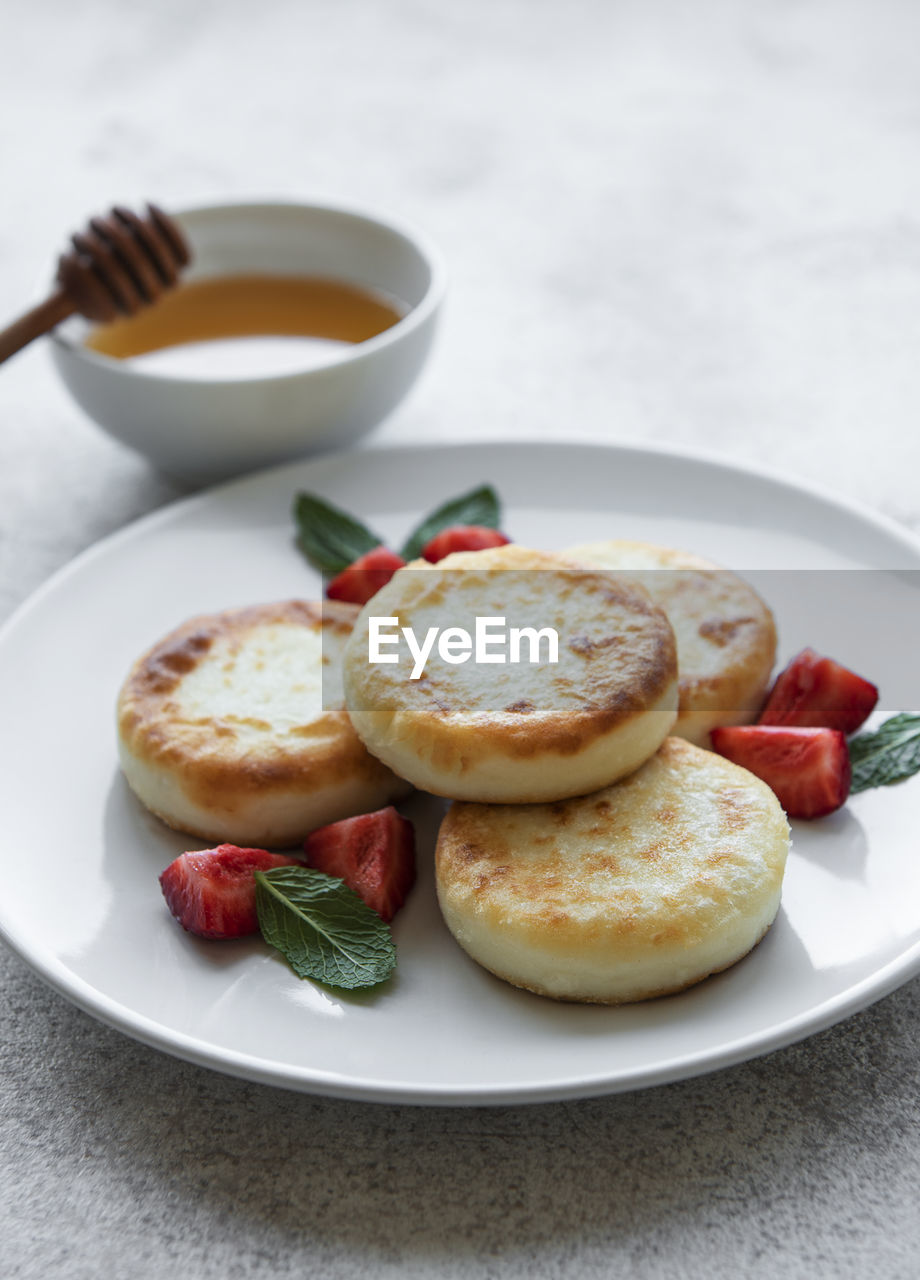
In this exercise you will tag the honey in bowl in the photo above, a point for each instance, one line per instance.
(244, 326)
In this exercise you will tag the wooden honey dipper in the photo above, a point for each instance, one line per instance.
(120, 264)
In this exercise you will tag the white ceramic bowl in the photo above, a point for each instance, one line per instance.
(204, 430)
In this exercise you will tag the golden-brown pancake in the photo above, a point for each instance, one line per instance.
(726, 638)
(640, 889)
(515, 732)
(223, 731)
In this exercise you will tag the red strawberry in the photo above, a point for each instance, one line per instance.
(374, 854)
(819, 691)
(462, 537)
(212, 892)
(362, 580)
(808, 769)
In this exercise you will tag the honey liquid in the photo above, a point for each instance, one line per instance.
(246, 326)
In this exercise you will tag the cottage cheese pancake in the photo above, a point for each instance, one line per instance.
(726, 638)
(222, 731)
(522, 731)
(641, 889)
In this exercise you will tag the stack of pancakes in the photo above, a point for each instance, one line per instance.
(587, 855)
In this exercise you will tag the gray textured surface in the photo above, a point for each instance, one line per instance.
(801, 1164)
(691, 224)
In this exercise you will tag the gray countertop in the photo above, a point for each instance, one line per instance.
(692, 225)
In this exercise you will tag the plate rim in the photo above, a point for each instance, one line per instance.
(324, 1083)
(157, 1035)
(585, 443)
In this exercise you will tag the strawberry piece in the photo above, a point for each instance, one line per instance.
(362, 580)
(462, 537)
(212, 892)
(808, 769)
(374, 854)
(814, 690)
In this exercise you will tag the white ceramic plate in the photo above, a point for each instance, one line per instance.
(80, 899)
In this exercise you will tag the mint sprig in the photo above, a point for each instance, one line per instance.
(332, 540)
(888, 755)
(479, 506)
(322, 928)
(329, 537)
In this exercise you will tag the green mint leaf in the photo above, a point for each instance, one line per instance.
(329, 538)
(322, 928)
(479, 506)
(890, 754)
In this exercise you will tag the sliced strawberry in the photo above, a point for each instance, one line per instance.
(462, 537)
(818, 691)
(362, 580)
(374, 854)
(212, 892)
(807, 769)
